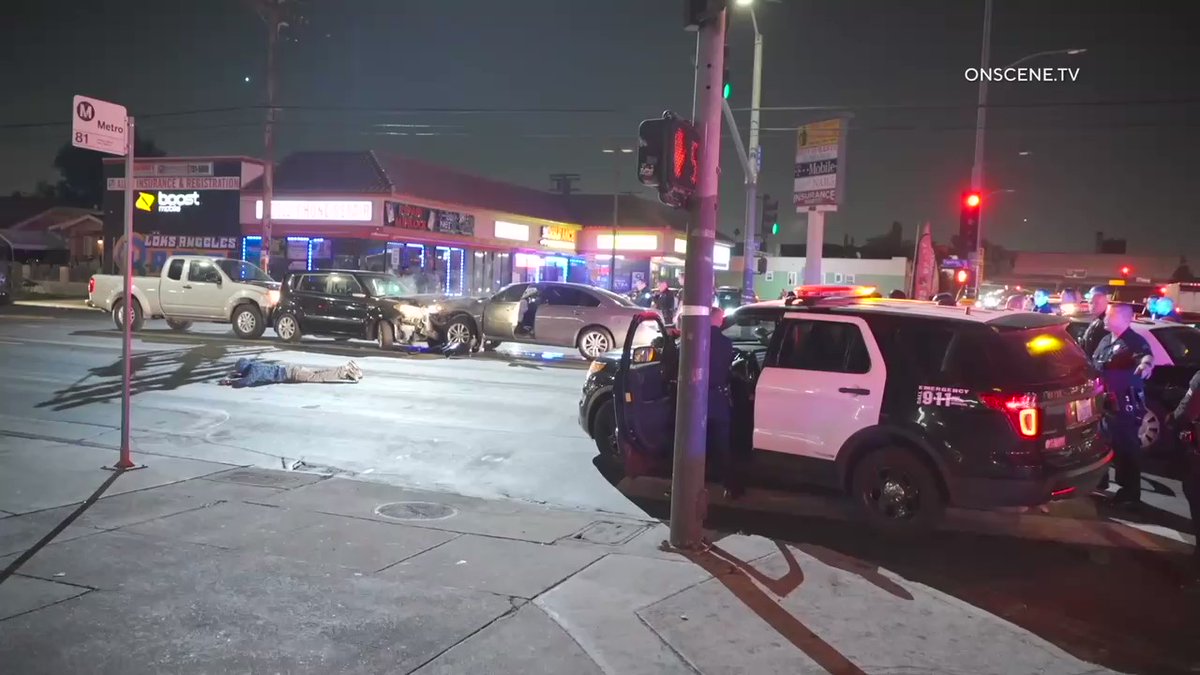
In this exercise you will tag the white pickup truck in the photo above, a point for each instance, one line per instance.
(193, 288)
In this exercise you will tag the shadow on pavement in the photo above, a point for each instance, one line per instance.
(1120, 607)
(162, 370)
(25, 557)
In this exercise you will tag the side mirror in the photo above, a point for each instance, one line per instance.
(218, 280)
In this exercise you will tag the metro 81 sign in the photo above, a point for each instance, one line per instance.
(669, 158)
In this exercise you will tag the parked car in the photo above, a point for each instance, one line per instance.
(728, 298)
(1176, 351)
(348, 304)
(590, 319)
(906, 408)
(193, 288)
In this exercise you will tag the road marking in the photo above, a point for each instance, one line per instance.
(26, 317)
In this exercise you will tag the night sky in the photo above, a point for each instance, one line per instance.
(527, 88)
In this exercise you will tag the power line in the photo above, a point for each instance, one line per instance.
(608, 111)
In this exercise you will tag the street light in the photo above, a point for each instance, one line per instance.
(755, 158)
(612, 262)
(981, 117)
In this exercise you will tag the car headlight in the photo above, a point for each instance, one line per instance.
(434, 308)
(272, 297)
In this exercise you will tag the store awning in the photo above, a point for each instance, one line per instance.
(35, 240)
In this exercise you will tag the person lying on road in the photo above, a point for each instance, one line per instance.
(252, 373)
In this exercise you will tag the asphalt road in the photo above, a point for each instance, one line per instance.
(489, 425)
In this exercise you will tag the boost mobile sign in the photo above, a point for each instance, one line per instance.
(167, 202)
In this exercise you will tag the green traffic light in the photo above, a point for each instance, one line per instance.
(727, 90)
(775, 228)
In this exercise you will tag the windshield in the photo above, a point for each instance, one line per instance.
(1182, 344)
(240, 270)
(385, 286)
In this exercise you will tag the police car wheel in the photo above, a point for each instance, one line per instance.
(604, 430)
(897, 492)
(1150, 432)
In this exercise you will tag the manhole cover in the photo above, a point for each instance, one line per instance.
(415, 511)
(609, 533)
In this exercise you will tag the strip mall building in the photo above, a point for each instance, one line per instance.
(366, 210)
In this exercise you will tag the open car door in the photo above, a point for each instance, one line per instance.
(644, 392)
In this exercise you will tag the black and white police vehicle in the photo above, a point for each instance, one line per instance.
(907, 407)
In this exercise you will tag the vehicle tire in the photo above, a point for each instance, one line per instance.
(248, 321)
(897, 492)
(490, 345)
(177, 325)
(385, 335)
(1152, 432)
(459, 330)
(594, 342)
(287, 327)
(604, 429)
(119, 316)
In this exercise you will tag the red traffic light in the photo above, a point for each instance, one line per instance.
(962, 276)
(1125, 271)
(679, 152)
(973, 199)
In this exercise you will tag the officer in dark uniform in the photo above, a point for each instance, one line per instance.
(1184, 422)
(1098, 305)
(664, 302)
(720, 407)
(1124, 361)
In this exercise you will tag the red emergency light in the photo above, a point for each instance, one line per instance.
(961, 276)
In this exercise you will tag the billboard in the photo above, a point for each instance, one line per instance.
(179, 206)
(820, 166)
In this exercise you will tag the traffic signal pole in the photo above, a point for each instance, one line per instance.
(980, 125)
(688, 499)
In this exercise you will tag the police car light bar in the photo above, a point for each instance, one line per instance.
(824, 291)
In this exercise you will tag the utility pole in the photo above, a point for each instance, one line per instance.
(980, 121)
(688, 499)
(750, 242)
(272, 14)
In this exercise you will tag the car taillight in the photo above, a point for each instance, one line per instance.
(91, 285)
(1021, 410)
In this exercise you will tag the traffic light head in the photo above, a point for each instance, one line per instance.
(968, 224)
(774, 228)
(1126, 271)
(726, 85)
(962, 277)
(770, 214)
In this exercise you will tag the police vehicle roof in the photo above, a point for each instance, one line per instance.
(918, 308)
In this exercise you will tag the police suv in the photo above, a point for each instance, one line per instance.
(905, 406)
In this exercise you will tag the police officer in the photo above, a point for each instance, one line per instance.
(641, 295)
(1124, 361)
(1098, 304)
(720, 407)
(1184, 419)
(1041, 302)
(664, 301)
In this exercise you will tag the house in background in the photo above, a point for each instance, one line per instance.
(34, 230)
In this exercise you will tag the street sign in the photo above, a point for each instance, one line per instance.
(820, 166)
(99, 125)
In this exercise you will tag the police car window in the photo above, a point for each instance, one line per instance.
(311, 283)
(511, 294)
(826, 346)
(750, 327)
(203, 272)
(175, 271)
(1182, 344)
(1023, 358)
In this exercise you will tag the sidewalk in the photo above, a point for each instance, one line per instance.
(194, 567)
